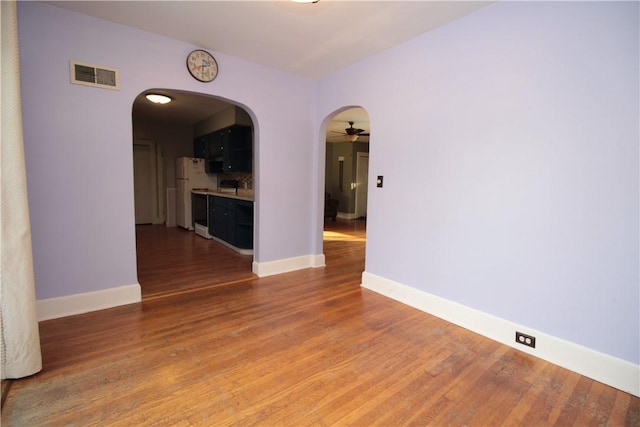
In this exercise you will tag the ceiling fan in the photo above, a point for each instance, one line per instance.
(351, 134)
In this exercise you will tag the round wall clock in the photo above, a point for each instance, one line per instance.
(202, 65)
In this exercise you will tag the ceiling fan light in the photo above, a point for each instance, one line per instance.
(158, 99)
(351, 138)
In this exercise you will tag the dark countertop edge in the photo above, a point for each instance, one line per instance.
(227, 195)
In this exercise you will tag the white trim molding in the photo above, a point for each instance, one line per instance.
(601, 367)
(347, 215)
(53, 308)
(263, 269)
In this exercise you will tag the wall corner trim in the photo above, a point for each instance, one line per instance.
(263, 269)
(53, 308)
(601, 367)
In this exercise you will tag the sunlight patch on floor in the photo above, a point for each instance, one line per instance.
(336, 236)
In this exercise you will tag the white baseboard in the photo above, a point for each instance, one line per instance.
(345, 215)
(53, 308)
(601, 367)
(318, 261)
(263, 269)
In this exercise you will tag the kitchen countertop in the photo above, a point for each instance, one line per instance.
(242, 194)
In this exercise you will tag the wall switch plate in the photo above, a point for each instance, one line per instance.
(379, 181)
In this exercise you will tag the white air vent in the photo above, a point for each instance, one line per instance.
(94, 75)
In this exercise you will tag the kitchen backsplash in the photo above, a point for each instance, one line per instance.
(245, 180)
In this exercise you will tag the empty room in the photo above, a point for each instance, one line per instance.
(340, 213)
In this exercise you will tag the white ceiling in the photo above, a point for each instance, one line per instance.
(186, 108)
(311, 40)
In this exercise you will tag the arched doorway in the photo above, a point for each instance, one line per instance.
(346, 184)
(174, 258)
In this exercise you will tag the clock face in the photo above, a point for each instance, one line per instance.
(202, 65)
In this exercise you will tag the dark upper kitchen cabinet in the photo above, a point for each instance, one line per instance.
(217, 142)
(201, 146)
(226, 150)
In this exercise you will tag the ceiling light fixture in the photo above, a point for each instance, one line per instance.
(158, 99)
(351, 138)
(305, 1)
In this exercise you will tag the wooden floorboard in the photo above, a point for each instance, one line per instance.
(172, 260)
(311, 347)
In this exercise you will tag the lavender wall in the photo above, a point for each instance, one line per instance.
(509, 145)
(78, 145)
(508, 141)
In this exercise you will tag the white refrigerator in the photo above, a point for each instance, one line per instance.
(190, 174)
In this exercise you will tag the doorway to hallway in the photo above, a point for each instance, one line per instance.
(346, 178)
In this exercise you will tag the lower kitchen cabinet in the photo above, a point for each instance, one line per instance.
(231, 220)
(224, 219)
(244, 224)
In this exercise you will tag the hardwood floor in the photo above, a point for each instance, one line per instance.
(174, 260)
(309, 347)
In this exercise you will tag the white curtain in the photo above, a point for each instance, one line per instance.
(20, 339)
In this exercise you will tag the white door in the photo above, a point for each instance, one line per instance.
(362, 176)
(144, 182)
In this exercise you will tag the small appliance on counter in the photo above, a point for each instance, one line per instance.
(229, 186)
